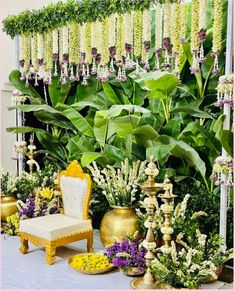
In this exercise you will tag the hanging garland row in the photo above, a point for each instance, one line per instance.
(57, 15)
(116, 44)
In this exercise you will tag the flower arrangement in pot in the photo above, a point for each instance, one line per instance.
(128, 256)
(120, 187)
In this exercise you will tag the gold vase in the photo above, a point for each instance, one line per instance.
(117, 224)
(8, 206)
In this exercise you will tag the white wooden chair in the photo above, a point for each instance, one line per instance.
(56, 230)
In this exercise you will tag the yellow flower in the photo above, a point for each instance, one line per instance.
(34, 51)
(120, 38)
(158, 27)
(74, 43)
(105, 42)
(138, 33)
(48, 51)
(217, 25)
(91, 262)
(194, 25)
(88, 42)
(46, 193)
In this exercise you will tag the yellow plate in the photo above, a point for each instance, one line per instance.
(89, 272)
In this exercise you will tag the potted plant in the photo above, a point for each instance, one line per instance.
(8, 200)
(120, 187)
(128, 256)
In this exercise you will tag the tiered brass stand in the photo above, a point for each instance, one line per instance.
(151, 189)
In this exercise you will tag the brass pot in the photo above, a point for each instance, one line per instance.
(117, 224)
(8, 206)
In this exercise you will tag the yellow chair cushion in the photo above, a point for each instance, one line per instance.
(54, 226)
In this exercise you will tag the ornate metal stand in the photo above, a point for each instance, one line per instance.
(151, 189)
(167, 208)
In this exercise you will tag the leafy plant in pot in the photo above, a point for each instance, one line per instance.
(120, 187)
(8, 199)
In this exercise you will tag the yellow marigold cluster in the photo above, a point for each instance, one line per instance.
(202, 14)
(91, 262)
(13, 220)
(138, 33)
(105, 42)
(112, 30)
(34, 51)
(217, 25)
(55, 44)
(74, 43)
(176, 28)
(48, 51)
(167, 20)
(120, 38)
(88, 42)
(194, 25)
(26, 51)
(40, 46)
(128, 28)
(47, 193)
(158, 27)
(65, 43)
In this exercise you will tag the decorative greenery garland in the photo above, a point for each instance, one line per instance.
(59, 14)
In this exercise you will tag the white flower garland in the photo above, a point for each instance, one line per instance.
(120, 38)
(158, 27)
(34, 51)
(202, 14)
(112, 30)
(128, 28)
(55, 44)
(138, 33)
(167, 20)
(21, 49)
(74, 43)
(65, 42)
(194, 25)
(88, 42)
(184, 19)
(48, 51)
(60, 45)
(26, 51)
(40, 46)
(105, 42)
(93, 35)
(99, 36)
(146, 25)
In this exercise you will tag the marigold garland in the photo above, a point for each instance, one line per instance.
(217, 32)
(88, 42)
(138, 33)
(48, 51)
(74, 43)
(194, 26)
(120, 38)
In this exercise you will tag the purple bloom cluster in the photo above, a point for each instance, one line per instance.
(167, 45)
(35, 208)
(202, 35)
(221, 103)
(127, 254)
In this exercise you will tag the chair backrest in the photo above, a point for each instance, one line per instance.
(76, 187)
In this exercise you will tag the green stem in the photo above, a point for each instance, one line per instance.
(165, 112)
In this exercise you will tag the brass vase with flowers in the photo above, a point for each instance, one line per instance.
(8, 200)
(120, 187)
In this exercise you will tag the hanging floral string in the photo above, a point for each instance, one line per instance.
(34, 52)
(146, 37)
(202, 28)
(88, 43)
(217, 33)
(158, 35)
(60, 45)
(176, 37)
(225, 91)
(65, 54)
(128, 38)
(99, 47)
(74, 43)
(194, 45)
(104, 53)
(137, 38)
(166, 36)
(223, 165)
(112, 41)
(48, 58)
(55, 50)
(183, 22)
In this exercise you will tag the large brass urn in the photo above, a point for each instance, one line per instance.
(8, 206)
(117, 224)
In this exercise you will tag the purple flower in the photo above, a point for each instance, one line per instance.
(158, 52)
(202, 35)
(167, 45)
(112, 51)
(98, 59)
(128, 47)
(147, 46)
(94, 52)
(55, 57)
(40, 62)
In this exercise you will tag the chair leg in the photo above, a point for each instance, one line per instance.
(50, 257)
(24, 245)
(90, 243)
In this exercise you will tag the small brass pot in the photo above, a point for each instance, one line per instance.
(8, 206)
(117, 224)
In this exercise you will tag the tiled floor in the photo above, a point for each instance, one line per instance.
(31, 271)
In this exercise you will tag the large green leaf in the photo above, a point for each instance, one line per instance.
(82, 104)
(178, 149)
(218, 126)
(113, 153)
(23, 129)
(226, 138)
(76, 118)
(14, 78)
(78, 145)
(191, 111)
(172, 128)
(110, 93)
(87, 158)
(34, 108)
(87, 92)
(116, 110)
(58, 92)
(194, 128)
